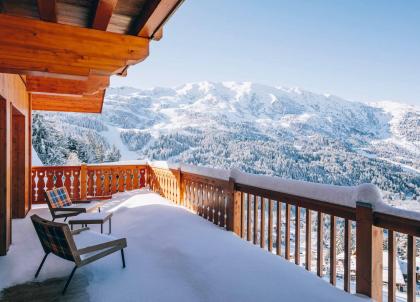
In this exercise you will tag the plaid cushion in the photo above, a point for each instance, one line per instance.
(59, 197)
(52, 238)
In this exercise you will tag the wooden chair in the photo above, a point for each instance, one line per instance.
(61, 206)
(81, 246)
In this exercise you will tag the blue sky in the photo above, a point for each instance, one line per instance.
(360, 50)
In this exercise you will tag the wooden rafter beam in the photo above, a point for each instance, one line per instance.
(103, 14)
(47, 10)
(29, 46)
(48, 85)
(49, 102)
(154, 15)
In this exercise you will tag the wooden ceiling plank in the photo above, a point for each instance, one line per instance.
(46, 85)
(27, 47)
(88, 104)
(103, 14)
(47, 10)
(153, 16)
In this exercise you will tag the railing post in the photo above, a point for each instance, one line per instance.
(234, 209)
(83, 182)
(369, 249)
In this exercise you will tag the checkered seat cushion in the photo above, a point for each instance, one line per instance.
(59, 198)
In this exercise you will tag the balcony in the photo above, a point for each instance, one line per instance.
(172, 255)
(178, 219)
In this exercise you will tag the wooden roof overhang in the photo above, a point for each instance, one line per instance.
(67, 50)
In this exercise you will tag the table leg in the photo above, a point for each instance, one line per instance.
(102, 227)
(109, 226)
(71, 227)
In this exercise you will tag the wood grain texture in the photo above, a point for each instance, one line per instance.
(66, 103)
(48, 85)
(369, 240)
(26, 47)
(13, 95)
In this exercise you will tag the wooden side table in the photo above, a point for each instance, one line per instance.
(91, 218)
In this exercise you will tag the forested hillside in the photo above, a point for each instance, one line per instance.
(265, 130)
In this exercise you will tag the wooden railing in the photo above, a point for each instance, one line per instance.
(288, 225)
(87, 180)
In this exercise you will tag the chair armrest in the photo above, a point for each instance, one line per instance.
(78, 231)
(82, 201)
(69, 210)
(122, 243)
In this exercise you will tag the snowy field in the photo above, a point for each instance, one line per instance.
(172, 255)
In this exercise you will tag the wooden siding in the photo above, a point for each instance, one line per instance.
(13, 98)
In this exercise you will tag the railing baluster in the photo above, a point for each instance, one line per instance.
(255, 200)
(297, 235)
(347, 254)
(333, 252)
(262, 227)
(411, 269)
(278, 229)
(287, 237)
(392, 251)
(242, 215)
(248, 218)
(308, 235)
(270, 225)
(320, 244)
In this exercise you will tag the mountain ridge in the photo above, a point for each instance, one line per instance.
(287, 132)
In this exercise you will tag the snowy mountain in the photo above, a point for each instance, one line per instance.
(266, 130)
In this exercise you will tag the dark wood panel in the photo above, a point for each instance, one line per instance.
(392, 272)
(347, 254)
(287, 234)
(103, 14)
(47, 10)
(320, 244)
(411, 269)
(308, 240)
(297, 235)
(333, 251)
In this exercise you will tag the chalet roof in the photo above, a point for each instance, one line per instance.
(66, 50)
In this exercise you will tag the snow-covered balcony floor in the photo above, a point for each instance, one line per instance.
(172, 255)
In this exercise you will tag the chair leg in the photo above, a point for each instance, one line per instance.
(69, 279)
(40, 266)
(65, 219)
(53, 219)
(122, 257)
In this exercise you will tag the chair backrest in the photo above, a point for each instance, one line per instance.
(58, 198)
(55, 238)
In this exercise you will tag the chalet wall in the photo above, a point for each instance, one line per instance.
(13, 98)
